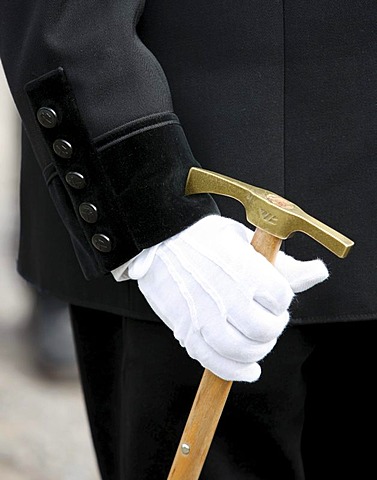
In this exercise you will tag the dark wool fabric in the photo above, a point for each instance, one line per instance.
(305, 419)
(139, 195)
(276, 94)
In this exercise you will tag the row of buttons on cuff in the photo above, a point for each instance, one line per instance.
(48, 118)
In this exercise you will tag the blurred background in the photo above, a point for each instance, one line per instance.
(44, 433)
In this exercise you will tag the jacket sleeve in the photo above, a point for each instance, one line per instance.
(97, 109)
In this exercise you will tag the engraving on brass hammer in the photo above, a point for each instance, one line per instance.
(268, 217)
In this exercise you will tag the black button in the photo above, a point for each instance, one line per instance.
(75, 180)
(88, 212)
(62, 148)
(47, 117)
(101, 242)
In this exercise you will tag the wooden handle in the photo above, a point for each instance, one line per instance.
(200, 427)
(210, 399)
(266, 244)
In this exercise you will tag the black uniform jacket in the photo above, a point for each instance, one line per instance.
(120, 98)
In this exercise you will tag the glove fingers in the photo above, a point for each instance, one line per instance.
(273, 291)
(231, 344)
(208, 315)
(301, 275)
(240, 272)
(225, 303)
(250, 319)
(224, 368)
(251, 331)
(260, 324)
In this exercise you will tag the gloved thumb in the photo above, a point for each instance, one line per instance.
(301, 275)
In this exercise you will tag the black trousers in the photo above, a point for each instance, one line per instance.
(308, 417)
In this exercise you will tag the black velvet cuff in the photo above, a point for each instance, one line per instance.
(147, 174)
(121, 192)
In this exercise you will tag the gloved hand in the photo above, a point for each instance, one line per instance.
(225, 303)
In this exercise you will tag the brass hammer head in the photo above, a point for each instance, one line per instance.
(267, 211)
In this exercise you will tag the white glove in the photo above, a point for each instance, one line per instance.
(225, 303)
